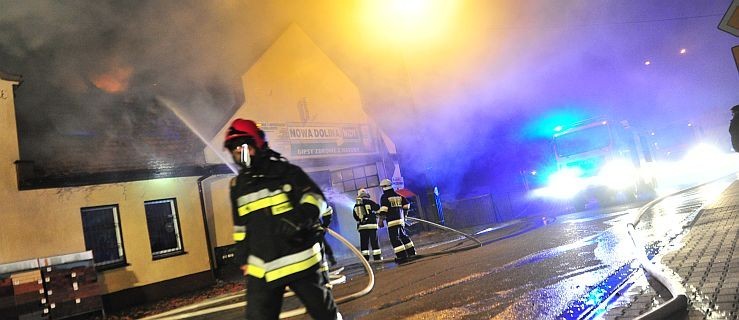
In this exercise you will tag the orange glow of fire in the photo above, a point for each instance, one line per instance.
(113, 81)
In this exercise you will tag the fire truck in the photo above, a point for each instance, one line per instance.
(603, 163)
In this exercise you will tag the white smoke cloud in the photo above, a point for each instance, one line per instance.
(456, 107)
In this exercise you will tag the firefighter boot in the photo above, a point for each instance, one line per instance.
(376, 255)
(401, 257)
(410, 249)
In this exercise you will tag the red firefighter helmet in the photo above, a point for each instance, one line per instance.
(248, 131)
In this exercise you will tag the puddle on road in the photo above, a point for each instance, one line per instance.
(527, 260)
(583, 287)
(549, 302)
(579, 218)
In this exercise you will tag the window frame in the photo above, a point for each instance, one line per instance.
(118, 228)
(344, 177)
(163, 254)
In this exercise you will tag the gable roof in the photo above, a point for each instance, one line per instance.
(147, 141)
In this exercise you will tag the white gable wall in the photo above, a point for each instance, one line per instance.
(295, 83)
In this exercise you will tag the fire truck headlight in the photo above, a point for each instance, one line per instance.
(703, 154)
(705, 161)
(565, 183)
(618, 174)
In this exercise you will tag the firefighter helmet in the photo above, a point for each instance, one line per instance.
(362, 193)
(242, 132)
(385, 184)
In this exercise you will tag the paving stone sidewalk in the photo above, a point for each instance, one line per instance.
(707, 265)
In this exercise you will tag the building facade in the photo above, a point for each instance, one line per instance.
(154, 235)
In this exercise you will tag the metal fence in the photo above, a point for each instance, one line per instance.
(471, 212)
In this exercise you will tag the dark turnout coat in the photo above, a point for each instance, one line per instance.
(365, 213)
(276, 210)
(393, 206)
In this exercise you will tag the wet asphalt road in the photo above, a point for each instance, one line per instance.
(532, 275)
(535, 268)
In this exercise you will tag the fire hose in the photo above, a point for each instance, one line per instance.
(468, 236)
(367, 267)
(446, 228)
(178, 313)
(679, 300)
(366, 290)
(366, 264)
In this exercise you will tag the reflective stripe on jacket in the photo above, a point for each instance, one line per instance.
(393, 205)
(365, 213)
(286, 265)
(276, 212)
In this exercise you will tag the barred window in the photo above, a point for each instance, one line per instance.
(163, 223)
(352, 179)
(102, 231)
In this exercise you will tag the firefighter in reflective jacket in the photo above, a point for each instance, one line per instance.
(392, 207)
(276, 209)
(365, 212)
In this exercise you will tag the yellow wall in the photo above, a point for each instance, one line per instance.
(222, 211)
(8, 143)
(292, 71)
(8, 184)
(41, 223)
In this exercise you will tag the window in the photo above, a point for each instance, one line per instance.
(101, 227)
(361, 183)
(373, 181)
(352, 179)
(583, 140)
(164, 228)
(349, 186)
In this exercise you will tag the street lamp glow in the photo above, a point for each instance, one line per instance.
(647, 62)
(683, 51)
(408, 21)
(410, 10)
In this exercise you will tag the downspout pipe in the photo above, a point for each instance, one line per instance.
(211, 259)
